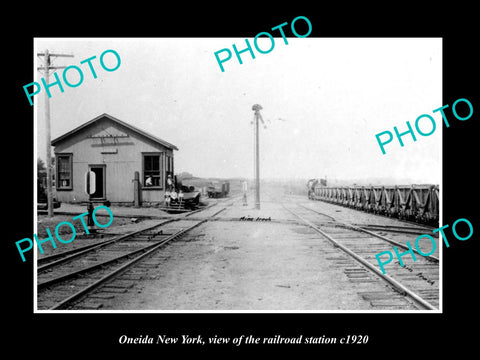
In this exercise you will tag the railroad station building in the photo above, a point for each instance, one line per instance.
(115, 151)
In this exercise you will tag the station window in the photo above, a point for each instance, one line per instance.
(152, 170)
(64, 172)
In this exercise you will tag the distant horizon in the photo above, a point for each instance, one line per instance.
(359, 182)
(323, 100)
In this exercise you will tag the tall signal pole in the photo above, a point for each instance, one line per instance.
(46, 68)
(257, 116)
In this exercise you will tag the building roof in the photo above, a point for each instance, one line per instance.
(110, 117)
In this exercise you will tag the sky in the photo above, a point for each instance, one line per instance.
(323, 99)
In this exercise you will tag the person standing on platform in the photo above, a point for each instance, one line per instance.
(245, 189)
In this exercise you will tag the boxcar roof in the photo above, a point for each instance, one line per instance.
(110, 117)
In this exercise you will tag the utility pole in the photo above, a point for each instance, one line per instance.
(257, 116)
(46, 68)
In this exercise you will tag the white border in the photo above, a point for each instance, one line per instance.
(36, 311)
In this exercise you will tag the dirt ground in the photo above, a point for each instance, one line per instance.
(246, 259)
(120, 225)
(246, 265)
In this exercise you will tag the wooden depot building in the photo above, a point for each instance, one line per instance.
(114, 150)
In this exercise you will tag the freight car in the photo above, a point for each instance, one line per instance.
(418, 203)
(218, 189)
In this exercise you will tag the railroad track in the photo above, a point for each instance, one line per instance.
(369, 229)
(404, 229)
(416, 282)
(65, 279)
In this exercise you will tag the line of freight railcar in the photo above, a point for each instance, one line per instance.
(419, 203)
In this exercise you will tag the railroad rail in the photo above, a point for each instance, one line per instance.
(390, 228)
(398, 229)
(417, 281)
(64, 279)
